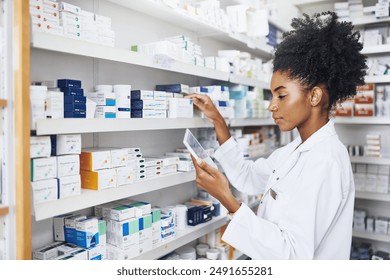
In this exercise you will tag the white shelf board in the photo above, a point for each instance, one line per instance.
(90, 198)
(62, 44)
(371, 160)
(361, 120)
(179, 17)
(248, 81)
(305, 3)
(183, 237)
(373, 196)
(69, 125)
(369, 20)
(251, 122)
(377, 79)
(371, 236)
(376, 49)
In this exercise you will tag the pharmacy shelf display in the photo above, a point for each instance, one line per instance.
(62, 44)
(372, 236)
(371, 160)
(90, 198)
(184, 237)
(373, 196)
(376, 49)
(78, 47)
(65, 126)
(179, 17)
(377, 79)
(362, 120)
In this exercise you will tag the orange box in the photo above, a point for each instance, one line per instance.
(365, 94)
(364, 110)
(93, 160)
(98, 180)
(345, 109)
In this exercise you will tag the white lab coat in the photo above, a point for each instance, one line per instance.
(311, 216)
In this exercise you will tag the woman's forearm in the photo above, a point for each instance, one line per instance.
(222, 130)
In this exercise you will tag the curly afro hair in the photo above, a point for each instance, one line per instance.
(322, 51)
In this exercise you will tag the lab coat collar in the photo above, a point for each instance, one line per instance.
(326, 131)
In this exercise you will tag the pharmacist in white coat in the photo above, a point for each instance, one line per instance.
(307, 187)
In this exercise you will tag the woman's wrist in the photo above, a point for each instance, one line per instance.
(230, 203)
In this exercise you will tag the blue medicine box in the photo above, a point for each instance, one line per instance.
(81, 114)
(75, 107)
(75, 99)
(136, 113)
(62, 83)
(72, 91)
(137, 105)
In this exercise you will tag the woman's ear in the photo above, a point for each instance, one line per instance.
(316, 95)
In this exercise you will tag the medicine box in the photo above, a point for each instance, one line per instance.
(70, 8)
(149, 105)
(169, 169)
(66, 144)
(105, 112)
(185, 165)
(178, 88)
(75, 107)
(74, 99)
(43, 168)
(125, 175)
(162, 95)
(70, 91)
(180, 108)
(156, 234)
(59, 227)
(152, 162)
(124, 234)
(97, 252)
(118, 212)
(145, 233)
(44, 190)
(73, 115)
(47, 252)
(136, 163)
(62, 83)
(95, 159)
(98, 180)
(102, 98)
(69, 186)
(68, 165)
(54, 105)
(119, 157)
(148, 114)
(70, 227)
(102, 224)
(132, 156)
(40, 146)
(115, 253)
(87, 233)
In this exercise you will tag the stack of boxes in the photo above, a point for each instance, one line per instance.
(372, 178)
(68, 20)
(145, 105)
(122, 96)
(362, 105)
(105, 100)
(363, 222)
(189, 52)
(129, 228)
(77, 237)
(37, 103)
(45, 16)
(373, 145)
(74, 99)
(57, 176)
(67, 148)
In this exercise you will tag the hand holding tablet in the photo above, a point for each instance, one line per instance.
(196, 150)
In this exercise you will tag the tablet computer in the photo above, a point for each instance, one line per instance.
(196, 149)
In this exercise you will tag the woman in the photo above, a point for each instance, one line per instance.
(308, 191)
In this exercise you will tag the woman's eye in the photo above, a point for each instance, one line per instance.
(281, 96)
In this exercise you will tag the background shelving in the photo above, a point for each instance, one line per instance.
(371, 236)
(376, 49)
(371, 160)
(3, 210)
(362, 120)
(203, 29)
(3, 103)
(373, 196)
